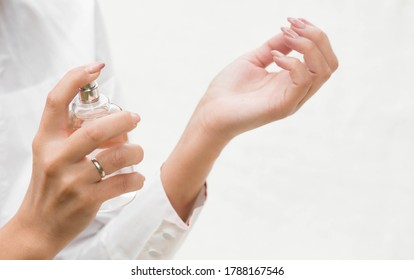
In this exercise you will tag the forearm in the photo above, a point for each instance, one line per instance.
(186, 169)
(243, 97)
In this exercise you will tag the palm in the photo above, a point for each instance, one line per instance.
(244, 96)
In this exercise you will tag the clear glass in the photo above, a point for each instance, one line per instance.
(82, 114)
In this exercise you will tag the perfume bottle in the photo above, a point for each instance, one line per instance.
(90, 105)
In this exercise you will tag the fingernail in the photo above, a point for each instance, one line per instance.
(304, 21)
(296, 23)
(290, 33)
(277, 53)
(94, 67)
(135, 118)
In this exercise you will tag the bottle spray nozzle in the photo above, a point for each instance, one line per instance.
(89, 93)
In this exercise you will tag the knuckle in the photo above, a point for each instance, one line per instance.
(118, 159)
(123, 184)
(51, 166)
(52, 101)
(297, 64)
(36, 143)
(304, 77)
(320, 35)
(326, 74)
(310, 46)
(93, 133)
(307, 79)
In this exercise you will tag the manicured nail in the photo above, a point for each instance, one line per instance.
(94, 67)
(296, 23)
(290, 33)
(277, 53)
(135, 118)
(304, 21)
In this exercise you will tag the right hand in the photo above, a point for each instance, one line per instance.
(66, 189)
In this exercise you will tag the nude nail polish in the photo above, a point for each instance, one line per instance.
(296, 23)
(289, 32)
(94, 67)
(277, 53)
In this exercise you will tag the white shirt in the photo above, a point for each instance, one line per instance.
(40, 41)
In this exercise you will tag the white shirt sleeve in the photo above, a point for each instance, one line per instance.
(147, 228)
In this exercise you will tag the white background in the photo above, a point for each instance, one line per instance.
(335, 180)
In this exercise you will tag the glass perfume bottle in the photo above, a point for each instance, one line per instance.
(90, 105)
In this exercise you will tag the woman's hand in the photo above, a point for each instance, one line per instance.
(66, 189)
(245, 95)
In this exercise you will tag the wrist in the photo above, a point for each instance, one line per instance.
(209, 128)
(204, 138)
(185, 171)
(21, 240)
(220, 117)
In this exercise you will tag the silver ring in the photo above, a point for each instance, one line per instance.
(99, 168)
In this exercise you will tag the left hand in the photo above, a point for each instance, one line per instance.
(245, 95)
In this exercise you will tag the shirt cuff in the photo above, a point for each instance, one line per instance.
(147, 228)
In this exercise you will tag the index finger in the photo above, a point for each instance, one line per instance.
(55, 114)
(99, 131)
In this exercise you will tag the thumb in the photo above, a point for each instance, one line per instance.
(262, 57)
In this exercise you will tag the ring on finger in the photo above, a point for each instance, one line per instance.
(99, 168)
